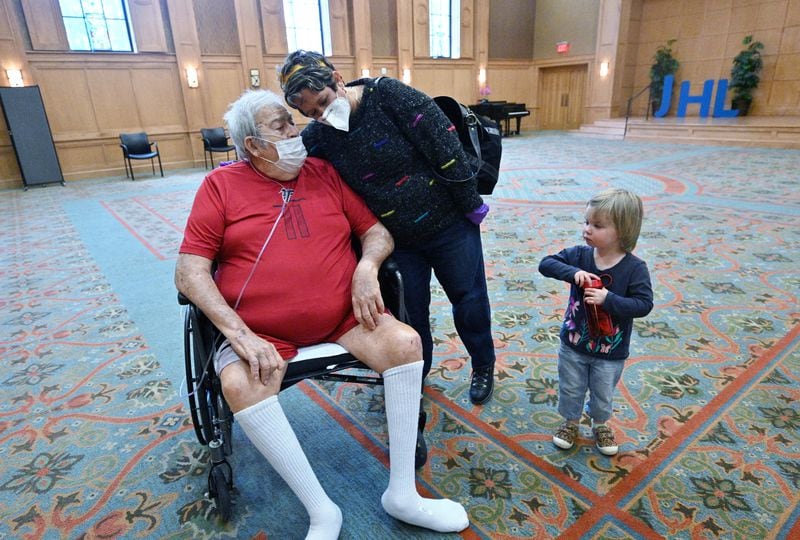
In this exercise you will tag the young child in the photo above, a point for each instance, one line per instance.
(591, 356)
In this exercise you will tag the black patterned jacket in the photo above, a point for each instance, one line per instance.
(397, 136)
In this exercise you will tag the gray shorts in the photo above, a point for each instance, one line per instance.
(224, 356)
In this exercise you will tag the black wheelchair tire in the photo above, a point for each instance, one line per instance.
(219, 489)
(211, 417)
(224, 418)
(192, 377)
(204, 396)
(204, 393)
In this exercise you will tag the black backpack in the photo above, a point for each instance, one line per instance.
(481, 139)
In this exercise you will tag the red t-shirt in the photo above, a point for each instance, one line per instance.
(300, 292)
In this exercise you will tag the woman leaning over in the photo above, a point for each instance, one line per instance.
(395, 148)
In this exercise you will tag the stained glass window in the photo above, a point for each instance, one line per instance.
(308, 25)
(96, 25)
(444, 19)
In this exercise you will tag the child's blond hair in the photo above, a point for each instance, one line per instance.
(624, 209)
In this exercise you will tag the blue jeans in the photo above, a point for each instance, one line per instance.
(578, 373)
(456, 257)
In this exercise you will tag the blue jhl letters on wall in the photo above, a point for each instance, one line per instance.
(704, 99)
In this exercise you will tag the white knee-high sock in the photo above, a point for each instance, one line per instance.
(270, 432)
(400, 500)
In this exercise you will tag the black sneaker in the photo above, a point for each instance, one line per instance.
(482, 385)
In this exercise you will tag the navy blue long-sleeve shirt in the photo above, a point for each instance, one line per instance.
(630, 295)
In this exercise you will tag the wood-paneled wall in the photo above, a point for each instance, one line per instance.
(92, 97)
(708, 35)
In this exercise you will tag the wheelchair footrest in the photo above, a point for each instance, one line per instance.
(347, 377)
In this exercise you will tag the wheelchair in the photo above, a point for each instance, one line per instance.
(213, 419)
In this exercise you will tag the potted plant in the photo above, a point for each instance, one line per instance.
(745, 74)
(663, 64)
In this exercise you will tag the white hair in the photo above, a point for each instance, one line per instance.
(241, 116)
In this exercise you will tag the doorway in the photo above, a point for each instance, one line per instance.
(561, 95)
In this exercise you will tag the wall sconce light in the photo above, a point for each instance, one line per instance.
(406, 76)
(482, 76)
(604, 68)
(365, 72)
(255, 78)
(191, 77)
(14, 77)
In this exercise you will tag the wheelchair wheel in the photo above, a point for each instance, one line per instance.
(205, 400)
(211, 416)
(220, 489)
(202, 347)
(194, 376)
(224, 418)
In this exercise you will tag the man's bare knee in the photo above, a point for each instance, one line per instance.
(241, 391)
(405, 344)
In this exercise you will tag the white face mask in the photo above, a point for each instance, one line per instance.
(291, 154)
(337, 114)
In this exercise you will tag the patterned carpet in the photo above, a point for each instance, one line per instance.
(95, 438)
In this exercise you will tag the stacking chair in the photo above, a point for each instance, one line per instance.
(215, 140)
(211, 416)
(137, 146)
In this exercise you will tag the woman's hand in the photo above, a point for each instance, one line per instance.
(477, 215)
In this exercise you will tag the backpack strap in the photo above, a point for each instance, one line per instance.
(472, 122)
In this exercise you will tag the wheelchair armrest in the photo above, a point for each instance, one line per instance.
(388, 268)
(391, 282)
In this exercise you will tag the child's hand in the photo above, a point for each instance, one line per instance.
(582, 278)
(595, 296)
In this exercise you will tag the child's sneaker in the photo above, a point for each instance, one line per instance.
(565, 435)
(604, 439)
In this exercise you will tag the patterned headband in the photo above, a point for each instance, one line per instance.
(295, 69)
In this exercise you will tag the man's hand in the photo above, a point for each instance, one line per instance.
(366, 294)
(193, 279)
(262, 356)
(368, 306)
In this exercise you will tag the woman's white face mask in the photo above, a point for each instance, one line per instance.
(291, 154)
(337, 114)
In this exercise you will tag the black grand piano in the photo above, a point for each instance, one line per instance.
(502, 112)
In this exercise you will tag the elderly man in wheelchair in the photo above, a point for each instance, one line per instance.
(276, 228)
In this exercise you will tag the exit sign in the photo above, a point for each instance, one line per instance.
(562, 47)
